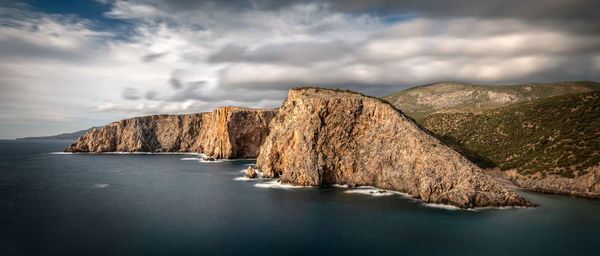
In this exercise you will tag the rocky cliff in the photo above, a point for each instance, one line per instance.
(227, 132)
(586, 185)
(322, 137)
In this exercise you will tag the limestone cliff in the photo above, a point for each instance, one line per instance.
(322, 137)
(227, 132)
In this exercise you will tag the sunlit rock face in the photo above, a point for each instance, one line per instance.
(322, 137)
(227, 132)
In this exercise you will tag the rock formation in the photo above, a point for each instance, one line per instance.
(251, 173)
(227, 132)
(322, 137)
(586, 185)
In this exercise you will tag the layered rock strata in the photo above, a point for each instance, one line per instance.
(227, 132)
(322, 137)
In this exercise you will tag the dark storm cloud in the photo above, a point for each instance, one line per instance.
(576, 16)
(573, 15)
(530, 9)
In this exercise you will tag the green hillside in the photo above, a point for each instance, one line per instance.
(559, 135)
(420, 101)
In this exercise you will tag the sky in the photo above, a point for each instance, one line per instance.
(70, 65)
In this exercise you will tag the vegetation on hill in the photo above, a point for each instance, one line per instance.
(556, 135)
(420, 101)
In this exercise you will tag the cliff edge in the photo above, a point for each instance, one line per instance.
(227, 132)
(322, 137)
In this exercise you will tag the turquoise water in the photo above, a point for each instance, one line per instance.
(124, 204)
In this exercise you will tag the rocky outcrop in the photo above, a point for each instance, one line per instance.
(322, 137)
(251, 173)
(584, 185)
(227, 132)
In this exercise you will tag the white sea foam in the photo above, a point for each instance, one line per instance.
(452, 207)
(143, 153)
(339, 186)
(442, 206)
(215, 161)
(259, 174)
(128, 153)
(372, 191)
(100, 185)
(276, 184)
(201, 160)
(499, 208)
(191, 159)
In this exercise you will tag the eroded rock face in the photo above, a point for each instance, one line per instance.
(322, 137)
(227, 132)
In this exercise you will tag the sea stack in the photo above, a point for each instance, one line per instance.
(322, 137)
(227, 132)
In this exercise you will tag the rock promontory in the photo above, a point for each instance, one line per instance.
(227, 132)
(322, 137)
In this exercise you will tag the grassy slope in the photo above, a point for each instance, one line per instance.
(420, 101)
(558, 135)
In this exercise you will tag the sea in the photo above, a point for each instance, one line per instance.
(54, 203)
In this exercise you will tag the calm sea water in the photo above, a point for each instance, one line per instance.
(123, 204)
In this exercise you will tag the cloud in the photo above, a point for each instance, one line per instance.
(190, 56)
(131, 94)
(153, 57)
(578, 15)
(415, 52)
(300, 53)
(151, 95)
(175, 83)
(28, 35)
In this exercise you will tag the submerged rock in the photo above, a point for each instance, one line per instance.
(323, 137)
(228, 132)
